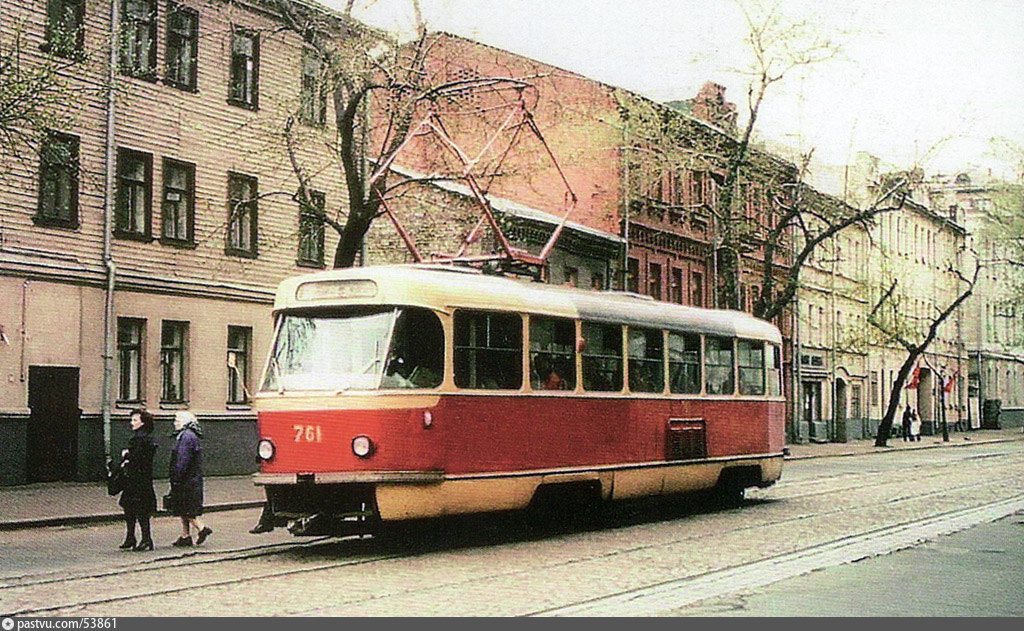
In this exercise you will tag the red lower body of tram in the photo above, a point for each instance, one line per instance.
(422, 456)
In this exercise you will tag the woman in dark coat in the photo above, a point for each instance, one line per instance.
(138, 499)
(187, 478)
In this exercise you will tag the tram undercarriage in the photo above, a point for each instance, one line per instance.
(313, 508)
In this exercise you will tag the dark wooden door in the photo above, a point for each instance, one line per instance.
(53, 423)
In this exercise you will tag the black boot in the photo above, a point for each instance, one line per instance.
(129, 537)
(182, 542)
(147, 539)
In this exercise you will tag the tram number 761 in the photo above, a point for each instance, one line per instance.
(307, 433)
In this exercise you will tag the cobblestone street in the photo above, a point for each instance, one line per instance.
(505, 566)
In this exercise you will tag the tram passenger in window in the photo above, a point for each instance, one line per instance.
(553, 381)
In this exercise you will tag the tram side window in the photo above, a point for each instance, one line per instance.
(684, 363)
(751, 364)
(488, 350)
(646, 360)
(718, 365)
(416, 356)
(602, 357)
(552, 354)
(773, 360)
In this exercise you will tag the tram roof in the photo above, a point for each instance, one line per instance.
(446, 288)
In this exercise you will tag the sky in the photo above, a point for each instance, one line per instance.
(916, 82)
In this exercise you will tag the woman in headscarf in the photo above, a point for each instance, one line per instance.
(186, 475)
(138, 499)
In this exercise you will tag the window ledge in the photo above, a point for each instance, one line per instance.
(242, 104)
(311, 264)
(133, 236)
(246, 254)
(148, 77)
(174, 405)
(178, 243)
(238, 407)
(42, 222)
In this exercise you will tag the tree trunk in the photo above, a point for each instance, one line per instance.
(885, 427)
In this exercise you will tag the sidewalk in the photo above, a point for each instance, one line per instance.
(860, 447)
(54, 504)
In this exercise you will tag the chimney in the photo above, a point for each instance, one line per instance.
(710, 105)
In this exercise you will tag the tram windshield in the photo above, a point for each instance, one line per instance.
(357, 349)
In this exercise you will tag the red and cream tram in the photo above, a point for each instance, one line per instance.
(396, 393)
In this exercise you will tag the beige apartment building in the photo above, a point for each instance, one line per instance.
(832, 369)
(846, 371)
(169, 269)
(994, 314)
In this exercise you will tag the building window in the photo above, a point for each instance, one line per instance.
(602, 357)
(697, 289)
(311, 229)
(65, 33)
(177, 214)
(597, 281)
(242, 215)
(138, 38)
(572, 276)
(654, 280)
(488, 350)
(243, 89)
(633, 275)
(182, 46)
(173, 341)
(134, 194)
(313, 99)
(58, 181)
(646, 360)
(677, 286)
(239, 342)
(130, 333)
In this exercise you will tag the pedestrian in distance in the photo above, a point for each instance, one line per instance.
(915, 426)
(136, 472)
(908, 413)
(186, 473)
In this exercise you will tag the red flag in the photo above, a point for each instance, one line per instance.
(949, 383)
(915, 378)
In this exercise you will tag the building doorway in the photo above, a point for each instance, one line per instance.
(839, 434)
(52, 449)
(811, 407)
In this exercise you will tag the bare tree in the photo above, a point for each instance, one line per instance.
(779, 46)
(811, 219)
(387, 97)
(885, 317)
(34, 92)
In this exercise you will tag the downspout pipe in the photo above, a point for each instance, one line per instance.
(108, 220)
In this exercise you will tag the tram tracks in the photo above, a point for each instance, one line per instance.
(670, 595)
(228, 570)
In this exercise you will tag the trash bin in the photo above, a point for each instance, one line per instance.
(990, 413)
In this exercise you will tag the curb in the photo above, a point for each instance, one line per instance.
(77, 520)
(888, 450)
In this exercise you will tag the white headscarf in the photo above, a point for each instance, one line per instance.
(183, 419)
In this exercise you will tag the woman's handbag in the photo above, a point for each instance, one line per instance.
(115, 481)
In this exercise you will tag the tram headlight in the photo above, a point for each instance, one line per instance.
(265, 449)
(362, 446)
